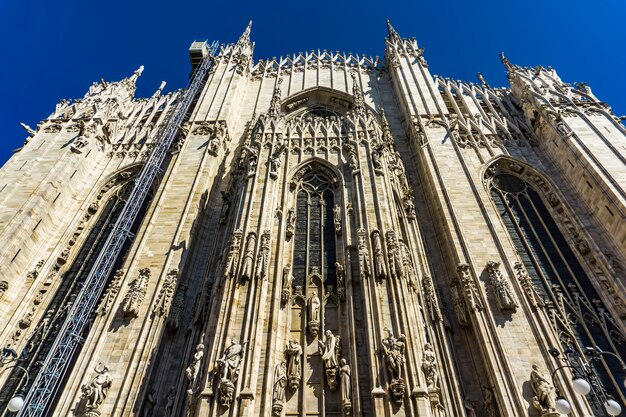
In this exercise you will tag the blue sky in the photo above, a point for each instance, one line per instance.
(53, 50)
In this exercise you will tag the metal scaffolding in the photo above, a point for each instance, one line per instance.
(70, 337)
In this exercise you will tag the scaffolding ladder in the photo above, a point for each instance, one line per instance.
(57, 362)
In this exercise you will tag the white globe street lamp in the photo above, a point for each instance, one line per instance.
(581, 386)
(612, 407)
(15, 404)
(563, 406)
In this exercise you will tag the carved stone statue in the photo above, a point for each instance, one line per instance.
(96, 391)
(314, 314)
(136, 293)
(149, 403)
(246, 269)
(337, 218)
(291, 223)
(489, 403)
(280, 383)
(294, 370)
(213, 146)
(346, 395)
(169, 405)
(274, 163)
(459, 306)
(263, 257)
(377, 161)
(192, 371)
(330, 355)
(341, 281)
(364, 263)
(429, 367)
(393, 351)
(381, 269)
(229, 372)
(285, 294)
(502, 289)
(543, 400)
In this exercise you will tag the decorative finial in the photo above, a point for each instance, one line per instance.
(387, 137)
(136, 74)
(359, 102)
(274, 110)
(158, 92)
(391, 32)
(505, 61)
(245, 36)
(481, 78)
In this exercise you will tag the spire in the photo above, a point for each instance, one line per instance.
(387, 138)
(391, 32)
(274, 110)
(158, 92)
(245, 36)
(136, 74)
(505, 62)
(359, 103)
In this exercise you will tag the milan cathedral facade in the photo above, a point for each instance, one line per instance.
(329, 235)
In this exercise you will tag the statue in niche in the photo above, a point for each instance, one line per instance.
(169, 405)
(149, 403)
(344, 376)
(253, 157)
(489, 402)
(341, 281)
(136, 293)
(213, 146)
(352, 158)
(246, 269)
(229, 372)
(364, 263)
(381, 270)
(314, 314)
(429, 367)
(192, 371)
(263, 256)
(294, 370)
(274, 162)
(409, 206)
(285, 294)
(470, 408)
(330, 355)
(377, 161)
(459, 306)
(96, 391)
(291, 223)
(393, 351)
(280, 383)
(337, 219)
(544, 392)
(502, 288)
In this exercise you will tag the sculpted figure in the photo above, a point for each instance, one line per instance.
(280, 382)
(314, 313)
(149, 403)
(381, 270)
(294, 370)
(214, 145)
(544, 399)
(489, 403)
(96, 392)
(393, 350)
(330, 355)
(341, 280)
(344, 376)
(287, 282)
(194, 368)
(429, 367)
(337, 218)
(169, 406)
(229, 362)
(291, 222)
(246, 269)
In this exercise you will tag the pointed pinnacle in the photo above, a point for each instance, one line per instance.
(391, 32)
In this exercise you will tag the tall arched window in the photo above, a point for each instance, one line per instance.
(558, 277)
(314, 238)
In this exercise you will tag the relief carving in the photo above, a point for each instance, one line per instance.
(364, 263)
(263, 258)
(229, 372)
(394, 351)
(544, 399)
(246, 269)
(330, 348)
(294, 353)
(285, 294)
(96, 391)
(280, 383)
(468, 286)
(502, 289)
(314, 314)
(379, 257)
(164, 298)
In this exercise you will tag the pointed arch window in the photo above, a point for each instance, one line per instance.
(558, 277)
(314, 239)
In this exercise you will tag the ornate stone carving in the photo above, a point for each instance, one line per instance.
(193, 370)
(330, 348)
(341, 281)
(364, 263)
(246, 268)
(337, 219)
(489, 402)
(280, 383)
(96, 391)
(396, 266)
(394, 351)
(294, 370)
(169, 402)
(111, 292)
(377, 160)
(136, 293)
(149, 403)
(291, 223)
(407, 265)
(379, 257)
(285, 294)
(164, 298)
(232, 258)
(314, 306)
(502, 289)
(178, 307)
(274, 162)
(263, 258)
(526, 283)
(351, 157)
(229, 372)
(346, 389)
(430, 299)
(468, 286)
(429, 367)
(35, 272)
(544, 399)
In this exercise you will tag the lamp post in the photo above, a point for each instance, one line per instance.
(17, 402)
(586, 380)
